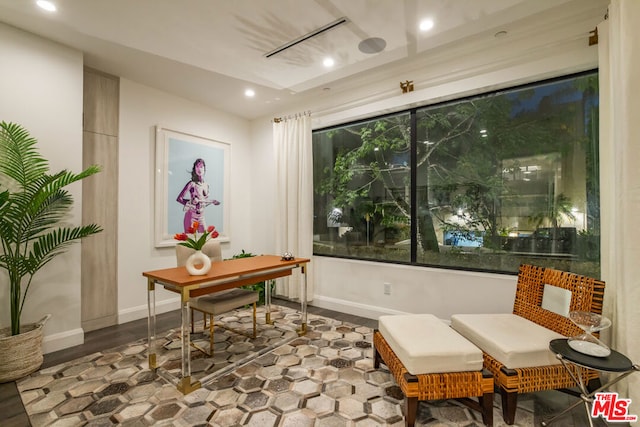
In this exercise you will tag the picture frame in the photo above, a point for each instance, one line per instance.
(175, 158)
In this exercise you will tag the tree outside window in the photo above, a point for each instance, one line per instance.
(483, 183)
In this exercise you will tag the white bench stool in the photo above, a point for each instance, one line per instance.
(221, 302)
(431, 361)
(513, 343)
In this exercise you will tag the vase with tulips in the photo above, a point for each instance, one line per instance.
(195, 240)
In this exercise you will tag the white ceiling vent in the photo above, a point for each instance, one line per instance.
(307, 36)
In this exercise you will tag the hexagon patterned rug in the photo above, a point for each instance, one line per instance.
(325, 378)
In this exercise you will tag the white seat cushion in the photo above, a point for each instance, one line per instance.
(512, 340)
(426, 345)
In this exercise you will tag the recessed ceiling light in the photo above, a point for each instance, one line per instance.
(46, 5)
(426, 24)
(328, 62)
(249, 93)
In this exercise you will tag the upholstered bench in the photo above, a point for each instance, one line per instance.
(513, 341)
(431, 361)
(221, 302)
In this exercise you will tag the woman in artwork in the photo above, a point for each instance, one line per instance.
(195, 197)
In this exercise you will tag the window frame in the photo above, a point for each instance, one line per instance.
(413, 113)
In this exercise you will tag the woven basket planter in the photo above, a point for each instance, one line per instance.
(21, 354)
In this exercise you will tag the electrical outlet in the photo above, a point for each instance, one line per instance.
(387, 288)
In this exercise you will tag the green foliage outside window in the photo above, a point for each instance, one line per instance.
(260, 286)
(483, 183)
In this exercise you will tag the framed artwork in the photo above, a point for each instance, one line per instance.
(191, 184)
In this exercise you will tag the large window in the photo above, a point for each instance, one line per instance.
(482, 183)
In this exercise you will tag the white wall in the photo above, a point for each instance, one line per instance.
(141, 109)
(262, 191)
(357, 286)
(41, 89)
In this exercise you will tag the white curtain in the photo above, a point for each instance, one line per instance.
(619, 71)
(294, 201)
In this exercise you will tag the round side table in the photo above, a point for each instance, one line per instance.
(573, 361)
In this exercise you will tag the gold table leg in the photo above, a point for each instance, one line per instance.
(185, 386)
(303, 303)
(267, 302)
(151, 324)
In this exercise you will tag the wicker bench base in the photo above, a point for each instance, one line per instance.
(461, 386)
(512, 382)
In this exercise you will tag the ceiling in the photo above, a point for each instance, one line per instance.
(210, 51)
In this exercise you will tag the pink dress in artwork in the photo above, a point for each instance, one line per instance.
(195, 197)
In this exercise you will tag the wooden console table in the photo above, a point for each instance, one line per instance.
(222, 276)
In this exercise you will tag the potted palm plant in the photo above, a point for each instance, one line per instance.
(33, 207)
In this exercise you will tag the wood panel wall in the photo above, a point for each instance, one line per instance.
(99, 294)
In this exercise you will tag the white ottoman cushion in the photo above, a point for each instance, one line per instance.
(426, 345)
(512, 340)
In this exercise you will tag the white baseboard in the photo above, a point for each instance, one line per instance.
(142, 311)
(357, 309)
(71, 338)
(62, 340)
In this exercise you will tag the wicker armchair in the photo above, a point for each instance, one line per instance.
(586, 295)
